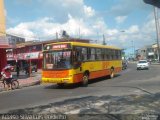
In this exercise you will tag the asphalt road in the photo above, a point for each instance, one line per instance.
(128, 82)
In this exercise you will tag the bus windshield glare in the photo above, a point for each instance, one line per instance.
(57, 60)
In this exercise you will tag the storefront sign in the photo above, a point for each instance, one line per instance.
(151, 53)
(34, 55)
(25, 56)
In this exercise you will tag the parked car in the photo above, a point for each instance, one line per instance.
(142, 64)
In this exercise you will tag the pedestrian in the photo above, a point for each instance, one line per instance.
(17, 69)
(26, 68)
(7, 75)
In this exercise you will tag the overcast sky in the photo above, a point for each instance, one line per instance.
(121, 21)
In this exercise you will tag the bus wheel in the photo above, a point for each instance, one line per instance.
(85, 80)
(112, 74)
(60, 85)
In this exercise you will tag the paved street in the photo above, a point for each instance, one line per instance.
(130, 81)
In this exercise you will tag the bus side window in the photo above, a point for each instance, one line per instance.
(112, 54)
(98, 54)
(77, 59)
(108, 54)
(93, 54)
(88, 53)
(117, 54)
(77, 54)
(120, 54)
(103, 54)
(84, 54)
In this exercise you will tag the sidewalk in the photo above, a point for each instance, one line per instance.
(155, 63)
(25, 81)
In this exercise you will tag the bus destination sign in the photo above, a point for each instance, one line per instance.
(57, 46)
(61, 46)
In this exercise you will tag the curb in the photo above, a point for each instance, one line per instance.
(25, 85)
(154, 64)
(29, 84)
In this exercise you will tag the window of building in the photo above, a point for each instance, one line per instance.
(39, 47)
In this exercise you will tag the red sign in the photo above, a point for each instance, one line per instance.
(62, 46)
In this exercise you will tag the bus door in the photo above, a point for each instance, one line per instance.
(77, 59)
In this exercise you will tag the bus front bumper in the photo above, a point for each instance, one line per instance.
(57, 80)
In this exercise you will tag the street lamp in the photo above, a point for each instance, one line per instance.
(133, 49)
(157, 30)
(104, 40)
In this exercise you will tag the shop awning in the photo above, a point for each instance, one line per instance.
(6, 46)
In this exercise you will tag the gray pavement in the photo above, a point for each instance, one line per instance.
(129, 82)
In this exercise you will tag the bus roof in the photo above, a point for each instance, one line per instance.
(87, 45)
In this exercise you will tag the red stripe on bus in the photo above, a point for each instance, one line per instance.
(96, 74)
(78, 78)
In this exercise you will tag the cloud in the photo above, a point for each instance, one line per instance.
(125, 7)
(46, 28)
(120, 19)
(79, 19)
(149, 27)
(21, 30)
(89, 12)
(59, 9)
(133, 29)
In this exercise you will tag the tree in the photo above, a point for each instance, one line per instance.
(153, 2)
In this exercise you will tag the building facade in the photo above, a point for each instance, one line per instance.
(13, 40)
(3, 41)
(24, 54)
(149, 52)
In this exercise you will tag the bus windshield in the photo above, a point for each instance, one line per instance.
(57, 60)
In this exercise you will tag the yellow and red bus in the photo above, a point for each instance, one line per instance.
(77, 62)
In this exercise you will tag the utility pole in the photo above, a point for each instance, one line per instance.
(104, 40)
(79, 32)
(132, 49)
(56, 35)
(157, 31)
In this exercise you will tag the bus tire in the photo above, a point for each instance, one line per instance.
(14, 84)
(112, 73)
(85, 80)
